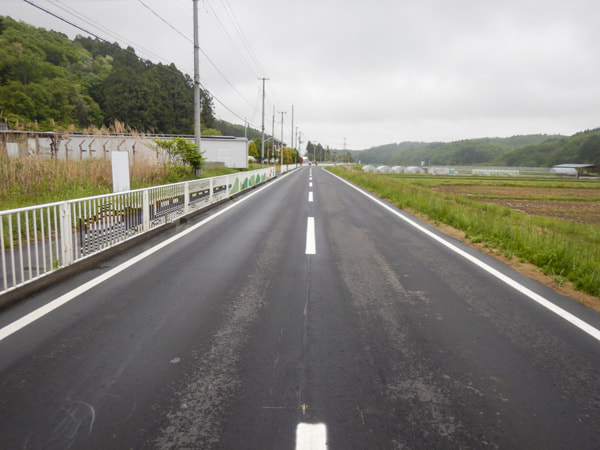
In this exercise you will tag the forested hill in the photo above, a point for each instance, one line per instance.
(49, 82)
(523, 151)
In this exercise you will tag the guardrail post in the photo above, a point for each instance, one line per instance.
(227, 186)
(66, 234)
(145, 210)
(186, 198)
(210, 190)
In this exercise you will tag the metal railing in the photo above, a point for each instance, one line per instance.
(38, 240)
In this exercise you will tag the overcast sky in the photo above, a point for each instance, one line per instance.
(369, 72)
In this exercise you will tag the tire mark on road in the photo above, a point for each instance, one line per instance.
(198, 420)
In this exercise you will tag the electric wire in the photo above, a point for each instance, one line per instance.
(165, 22)
(231, 41)
(163, 67)
(53, 14)
(242, 35)
(75, 13)
(201, 50)
(64, 20)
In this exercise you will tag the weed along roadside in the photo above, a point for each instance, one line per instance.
(556, 250)
(34, 181)
(44, 243)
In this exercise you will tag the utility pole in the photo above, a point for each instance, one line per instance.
(281, 151)
(299, 142)
(197, 103)
(292, 135)
(273, 134)
(262, 142)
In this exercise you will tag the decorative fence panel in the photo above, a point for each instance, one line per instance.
(38, 240)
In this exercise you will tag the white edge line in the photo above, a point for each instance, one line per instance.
(26, 320)
(311, 247)
(571, 318)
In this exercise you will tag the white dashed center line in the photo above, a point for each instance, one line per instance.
(311, 246)
(311, 436)
(310, 196)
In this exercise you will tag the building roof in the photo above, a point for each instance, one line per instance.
(577, 166)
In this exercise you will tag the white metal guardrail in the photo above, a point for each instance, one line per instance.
(38, 240)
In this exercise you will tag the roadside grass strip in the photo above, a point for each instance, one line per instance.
(574, 320)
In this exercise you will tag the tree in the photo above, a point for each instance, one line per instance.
(310, 151)
(253, 150)
(207, 116)
(42, 78)
(345, 157)
(161, 99)
(289, 155)
(319, 153)
(49, 80)
(589, 151)
(182, 150)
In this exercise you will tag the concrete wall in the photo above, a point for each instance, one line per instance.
(233, 152)
(230, 151)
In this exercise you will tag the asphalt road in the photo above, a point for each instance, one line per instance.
(246, 330)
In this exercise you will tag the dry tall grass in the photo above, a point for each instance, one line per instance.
(31, 180)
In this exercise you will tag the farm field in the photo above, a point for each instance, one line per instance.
(577, 205)
(547, 228)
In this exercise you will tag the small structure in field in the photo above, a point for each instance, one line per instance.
(414, 169)
(576, 170)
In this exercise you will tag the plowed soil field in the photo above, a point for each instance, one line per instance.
(578, 205)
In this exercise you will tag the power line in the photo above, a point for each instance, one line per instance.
(213, 93)
(242, 36)
(235, 48)
(167, 23)
(73, 12)
(203, 53)
(163, 67)
(82, 17)
(64, 20)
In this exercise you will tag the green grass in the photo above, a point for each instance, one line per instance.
(561, 248)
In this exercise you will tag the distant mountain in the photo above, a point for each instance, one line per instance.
(581, 148)
(537, 150)
(231, 129)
